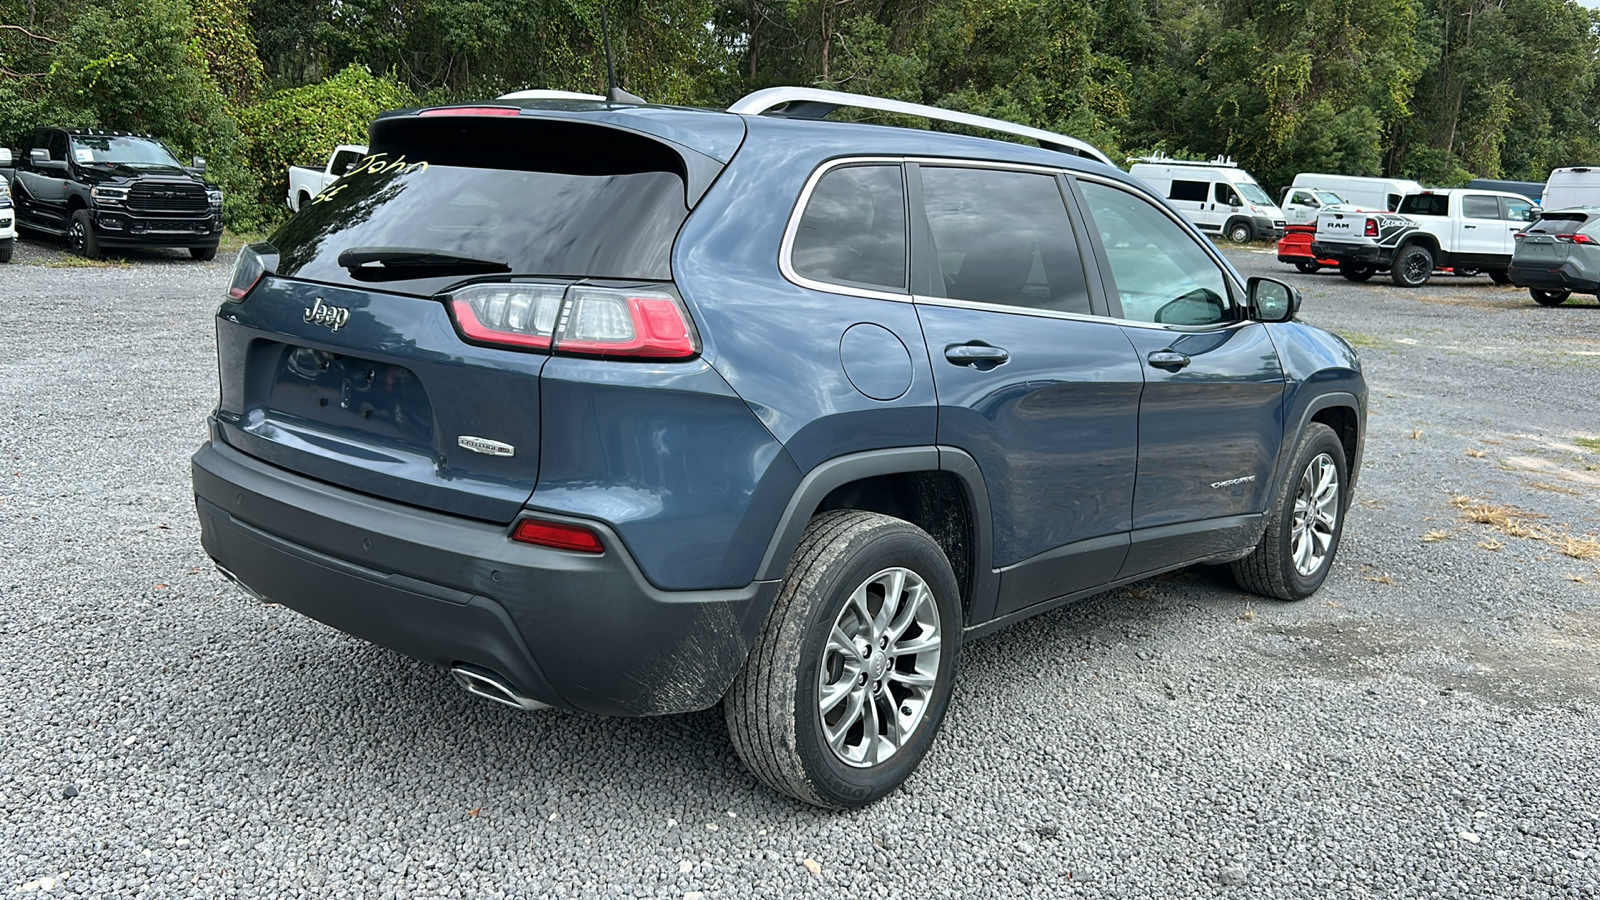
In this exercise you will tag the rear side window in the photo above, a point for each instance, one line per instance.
(1004, 238)
(853, 230)
(1188, 190)
(529, 197)
(1476, 206)
(1427, 205)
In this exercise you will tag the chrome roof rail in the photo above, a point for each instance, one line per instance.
(814, 103)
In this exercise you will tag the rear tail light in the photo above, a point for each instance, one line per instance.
(254, 262)
(1575, 238)
(560, 535)
(517, 315)
(581, 320)
(1372, 228)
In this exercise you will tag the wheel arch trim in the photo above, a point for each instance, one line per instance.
(830, 474)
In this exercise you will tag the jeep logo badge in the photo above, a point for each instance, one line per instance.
(332, 316)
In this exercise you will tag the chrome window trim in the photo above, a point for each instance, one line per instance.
(787, 269)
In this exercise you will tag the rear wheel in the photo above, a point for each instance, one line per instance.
(1310, 268)
(1549, 298)
(1356, 271)
(301, 201)
(1304, 523)
(1499, 276)
(80, 235)
(1241, 232)
(1412, 266)
(6, 247)
(203, 253)
(849, 679)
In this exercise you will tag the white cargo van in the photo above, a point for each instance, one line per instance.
(1217, 196)
(1572, 186)
(1375, 194)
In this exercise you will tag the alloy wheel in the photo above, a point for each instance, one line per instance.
(1316, 514)
(880, 667)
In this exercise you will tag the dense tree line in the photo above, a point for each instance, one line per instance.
(1438, 90)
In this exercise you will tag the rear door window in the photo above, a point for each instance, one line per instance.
(1478, 206)
(1005, 238)
(853, 230)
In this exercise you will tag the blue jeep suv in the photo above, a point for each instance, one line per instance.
(636, 410)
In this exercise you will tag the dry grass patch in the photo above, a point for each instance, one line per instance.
(1491, 545)
(1515, 522)
(1590, 444)
(1476, 454)
(1554, 488)
(1433, 537)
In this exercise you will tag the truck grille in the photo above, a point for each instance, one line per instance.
(167, 198)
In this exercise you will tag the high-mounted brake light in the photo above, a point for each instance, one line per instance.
(472, 111)
(560, 535)
(254, 262)
(581, 320)
(1371, 229)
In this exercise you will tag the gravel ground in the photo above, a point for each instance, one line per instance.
(1425, 726)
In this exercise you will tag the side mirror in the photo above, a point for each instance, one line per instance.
(38, 155)
(1271, 300)
(1535, 213)
(199, 165)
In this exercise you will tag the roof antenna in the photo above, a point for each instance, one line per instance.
(614, 94)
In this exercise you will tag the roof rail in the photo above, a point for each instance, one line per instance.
(815, 103)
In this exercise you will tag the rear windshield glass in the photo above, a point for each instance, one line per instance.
(1426, 205)
(572, 216)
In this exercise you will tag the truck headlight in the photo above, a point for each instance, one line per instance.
(215, 196)
(109, 196)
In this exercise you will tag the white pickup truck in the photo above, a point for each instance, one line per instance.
(306, 183)
(1467, 230)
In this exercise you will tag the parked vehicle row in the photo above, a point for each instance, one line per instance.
(1217, 196)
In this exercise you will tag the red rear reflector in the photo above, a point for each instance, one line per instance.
(1372, 228)
(472, 111)
(558, 535)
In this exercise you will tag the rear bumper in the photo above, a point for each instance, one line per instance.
(1566, 278)
(572, 630)
(1369, 254)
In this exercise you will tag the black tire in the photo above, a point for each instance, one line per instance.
(203, 253)
(1467, 271)
(774, 710)
(1356, 271)
(80, 235)
(301, 201)
(1271, 568)
(1241, 232)
(1310, 268)
(1499, 276)
(1412, 266)
(1549, 298)
(6, 248)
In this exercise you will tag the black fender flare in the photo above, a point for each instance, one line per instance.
(1313, 406)
(830, 474)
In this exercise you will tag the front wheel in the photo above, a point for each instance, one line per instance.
(1412, 267)
(849, 679)
(80, 235)
(6, 247)
(1304, 522)
(1241, 233)
(1549, 298)
(1310, 268)
(1499, 276)
(1356, 271)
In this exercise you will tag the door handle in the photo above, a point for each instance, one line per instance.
(976, 354)
(1171, 360)
(1469, 226)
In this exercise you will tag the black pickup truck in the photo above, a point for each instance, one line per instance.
(103, 189)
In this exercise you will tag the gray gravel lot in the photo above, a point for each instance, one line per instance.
(1423, 727)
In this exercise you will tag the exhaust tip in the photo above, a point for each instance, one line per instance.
(484, 683)
(234, 580)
